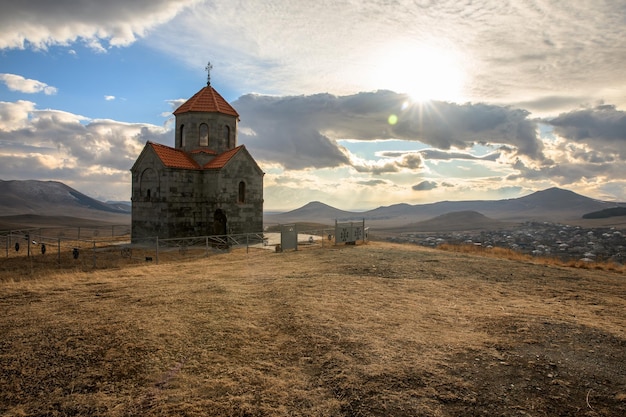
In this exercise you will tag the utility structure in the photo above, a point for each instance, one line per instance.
(206, 184)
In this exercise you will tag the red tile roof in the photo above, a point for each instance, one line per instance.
(177, 158)
(173, 158)
(222, 159)
(207, 100)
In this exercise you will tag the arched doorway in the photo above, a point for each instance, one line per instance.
(219, 223)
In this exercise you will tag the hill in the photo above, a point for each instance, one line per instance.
(606, 213)
(28, 221)
(40, 202)
(456, 221)
(366, 330)
(313, 212)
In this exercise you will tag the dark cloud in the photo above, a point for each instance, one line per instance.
(301, 131)
(425, 186)
(604, 123)
(582, 154)
(411, 161)
(278, 130)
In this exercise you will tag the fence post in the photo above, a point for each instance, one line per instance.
(94, 254)
(157, 250)
(59, 251)
(363, 230)
(247, 244)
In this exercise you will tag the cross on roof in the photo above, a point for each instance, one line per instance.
(208, 69)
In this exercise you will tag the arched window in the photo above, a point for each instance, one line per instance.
(149, 183)
(182, 135)
(242, 192)
(204, 135)
(227, 136)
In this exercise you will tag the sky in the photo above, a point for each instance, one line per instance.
(357, 104)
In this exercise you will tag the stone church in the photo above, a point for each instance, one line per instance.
(205, 184)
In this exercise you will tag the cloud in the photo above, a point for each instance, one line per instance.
(42, 23)
(566, 173)
(446, 155)
(603, 123)
(410, 161)
(278, 131)
(302, 131)
(24, 85)
(15, 115)
(57, 145)
(585, 151)
(509, 52)
(591, 136)
(109, 98)
(372, 183)
(543, 104)
(425, 186)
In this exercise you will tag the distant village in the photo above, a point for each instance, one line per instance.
(537, 239)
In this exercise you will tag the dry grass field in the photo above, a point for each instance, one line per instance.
(367, 330)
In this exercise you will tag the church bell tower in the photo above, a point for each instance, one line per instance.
(206, 123)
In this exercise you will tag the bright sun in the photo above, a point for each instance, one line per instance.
(424, 72)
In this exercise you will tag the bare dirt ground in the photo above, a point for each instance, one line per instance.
(371, 330)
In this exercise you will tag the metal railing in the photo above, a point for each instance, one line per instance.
(40, 250)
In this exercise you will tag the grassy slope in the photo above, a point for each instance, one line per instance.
(369, 330)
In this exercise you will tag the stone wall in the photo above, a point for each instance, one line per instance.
(244, 212)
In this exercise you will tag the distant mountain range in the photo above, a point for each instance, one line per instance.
(43, 202)
(553, 204)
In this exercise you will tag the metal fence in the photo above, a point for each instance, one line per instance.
(45, 250)
(342, 233)
(74, 232)
(41, 249)
(35, 251)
